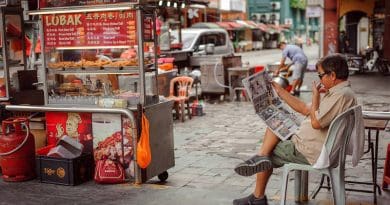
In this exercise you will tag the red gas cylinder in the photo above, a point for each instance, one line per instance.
(17, 151)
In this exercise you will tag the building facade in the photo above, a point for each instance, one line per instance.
(290, 12)
(365, 23)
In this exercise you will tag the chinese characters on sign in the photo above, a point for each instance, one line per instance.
(270, 108)
(66, 3)
(148, 28)
(112, 28)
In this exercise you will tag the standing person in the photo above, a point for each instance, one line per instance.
(305, 145)
(299, 41)
(343, 42)
(299, 60)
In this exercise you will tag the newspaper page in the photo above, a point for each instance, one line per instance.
(277, 115)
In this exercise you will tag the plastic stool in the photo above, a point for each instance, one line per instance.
(386, 172)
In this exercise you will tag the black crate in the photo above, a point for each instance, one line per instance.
(65, 171)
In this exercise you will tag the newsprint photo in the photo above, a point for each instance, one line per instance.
(270, 108)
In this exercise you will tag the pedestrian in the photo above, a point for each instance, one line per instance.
(299, 41)
(299, 60)
(344, 42)
(305, 145)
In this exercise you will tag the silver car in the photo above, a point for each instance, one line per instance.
(203, 43)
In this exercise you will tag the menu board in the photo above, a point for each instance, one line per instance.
(94, 29)
(66, 3)
(148, 28)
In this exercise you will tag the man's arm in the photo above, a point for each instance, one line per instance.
(315, 104)
(281, 66)
(294, 102)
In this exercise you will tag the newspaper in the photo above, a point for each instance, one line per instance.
(278, 116)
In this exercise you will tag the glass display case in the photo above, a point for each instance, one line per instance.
(100, 58)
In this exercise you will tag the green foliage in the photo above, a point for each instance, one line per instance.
(299, 4)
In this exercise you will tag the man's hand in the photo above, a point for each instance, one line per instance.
(316, 88)
(315, 104)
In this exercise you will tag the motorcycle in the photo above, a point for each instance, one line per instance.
(369, 61)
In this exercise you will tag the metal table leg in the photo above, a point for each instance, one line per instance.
(231, 90)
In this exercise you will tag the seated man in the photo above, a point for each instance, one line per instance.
(305, 145)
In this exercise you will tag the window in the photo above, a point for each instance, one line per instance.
(218, 39)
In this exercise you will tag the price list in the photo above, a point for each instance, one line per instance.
(90, 29)
(148, 29)
(70, 3)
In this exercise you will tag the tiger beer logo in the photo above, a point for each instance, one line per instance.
(48, 171)
(61, 172)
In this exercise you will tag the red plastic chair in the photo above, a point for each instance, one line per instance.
(386, 172)
(183, 85)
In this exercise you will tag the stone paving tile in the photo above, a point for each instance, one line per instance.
(231, 188)
(224, 172)
(193, 170)
(239, 181)
(200, 185)
(209, 179)
(183, 176)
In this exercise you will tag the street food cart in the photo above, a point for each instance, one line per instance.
(99, 63)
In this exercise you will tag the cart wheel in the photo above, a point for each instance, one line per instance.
(163, 176)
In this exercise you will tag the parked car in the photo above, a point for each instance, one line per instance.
(202, 43)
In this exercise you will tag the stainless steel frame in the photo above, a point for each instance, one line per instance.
(376, 115)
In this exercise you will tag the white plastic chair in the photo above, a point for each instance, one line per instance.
(339, 133)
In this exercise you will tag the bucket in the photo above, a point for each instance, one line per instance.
(259, 68)
(197, 110)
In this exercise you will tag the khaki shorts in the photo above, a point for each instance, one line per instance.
(298, 71)
(285, 152)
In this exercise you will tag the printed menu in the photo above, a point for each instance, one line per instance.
(271, 109)
(113, 28)
(66, 3)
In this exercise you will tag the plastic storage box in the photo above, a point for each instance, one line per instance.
(65, 171)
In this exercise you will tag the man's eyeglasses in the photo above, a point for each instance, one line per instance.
(320, 75)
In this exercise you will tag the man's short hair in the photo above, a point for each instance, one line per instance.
(336, 63)
(282, 43)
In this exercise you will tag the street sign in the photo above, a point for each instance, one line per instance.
(312, 12)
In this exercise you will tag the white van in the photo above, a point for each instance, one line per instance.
(203, 42)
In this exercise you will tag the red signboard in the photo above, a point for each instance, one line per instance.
(111, 28)
(66, 3)
(148, 28)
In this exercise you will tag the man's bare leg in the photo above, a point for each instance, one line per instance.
(261, 183)
(269, 142)
(295, 85)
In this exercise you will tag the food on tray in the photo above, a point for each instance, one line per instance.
(97, 63)
(166, 66)
(70, 87)
(64, 64)
(79, 64)
(121, 63)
